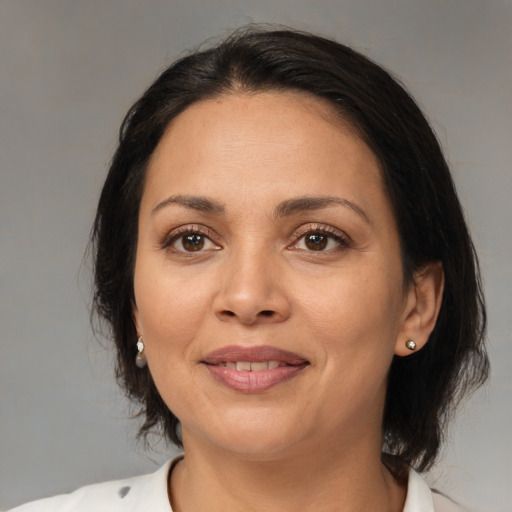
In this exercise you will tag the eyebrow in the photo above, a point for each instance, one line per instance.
(199, 203)
(307, 204)
(284, 209)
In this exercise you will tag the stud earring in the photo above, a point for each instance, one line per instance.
(411, 345)
(140, 358)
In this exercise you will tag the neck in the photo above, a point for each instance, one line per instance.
(350, 479)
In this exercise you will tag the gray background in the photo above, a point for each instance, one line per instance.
(68, 72)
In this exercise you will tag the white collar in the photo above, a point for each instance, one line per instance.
(418, 499)
(419, 495)
(149, 492)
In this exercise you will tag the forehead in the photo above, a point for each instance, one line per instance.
(271, 145)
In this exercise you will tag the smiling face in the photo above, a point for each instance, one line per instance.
(267, 243)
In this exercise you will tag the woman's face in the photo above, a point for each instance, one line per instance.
(266, 237)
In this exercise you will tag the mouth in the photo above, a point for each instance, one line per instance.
(253, 369)
(252, 366)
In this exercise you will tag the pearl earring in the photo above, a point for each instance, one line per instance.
(140, 358)
(411, 345)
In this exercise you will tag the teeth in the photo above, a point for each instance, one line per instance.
(258, 366)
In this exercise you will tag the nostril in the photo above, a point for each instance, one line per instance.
(266, 313)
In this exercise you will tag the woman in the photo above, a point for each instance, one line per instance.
(286, 272)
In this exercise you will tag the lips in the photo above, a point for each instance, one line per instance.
(261, 353)
(253, 369)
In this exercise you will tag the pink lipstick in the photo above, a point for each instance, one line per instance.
(253, 369)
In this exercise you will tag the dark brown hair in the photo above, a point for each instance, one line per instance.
(423, 388)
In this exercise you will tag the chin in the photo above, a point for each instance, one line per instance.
(257, 448)
(259, 438)
(251, 435)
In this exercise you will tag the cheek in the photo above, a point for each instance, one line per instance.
(355, 305)
(170, 309)
(354, 319)
(170, 313)
(354, 328)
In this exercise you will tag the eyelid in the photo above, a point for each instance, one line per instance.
(340, 236)
(188, 229)
(325, 229)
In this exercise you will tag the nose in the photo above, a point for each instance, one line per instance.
(252, 290)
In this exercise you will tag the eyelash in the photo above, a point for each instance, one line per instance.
(183, 231)
(339, 237)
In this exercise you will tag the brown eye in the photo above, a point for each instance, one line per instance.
(193, 242)
(316, 241)
(322, 239)
(190, 240)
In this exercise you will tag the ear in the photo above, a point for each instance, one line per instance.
(422, 305)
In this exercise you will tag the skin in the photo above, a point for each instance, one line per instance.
(255, 281)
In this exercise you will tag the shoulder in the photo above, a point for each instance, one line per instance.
(146, 492)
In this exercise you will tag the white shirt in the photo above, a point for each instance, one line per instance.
(149, 493)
